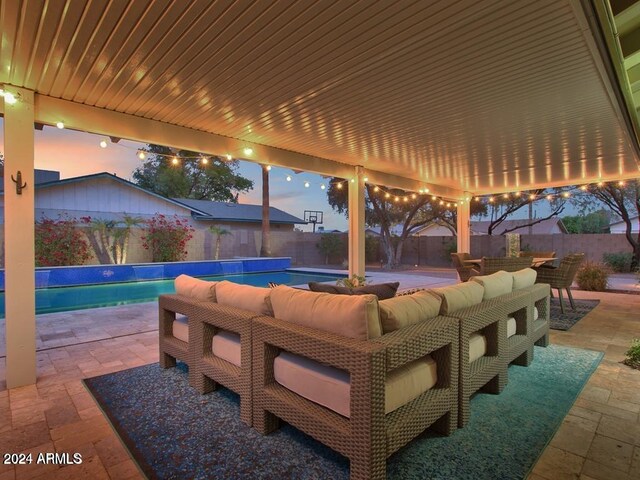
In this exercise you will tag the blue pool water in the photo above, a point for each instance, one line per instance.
(62, 299)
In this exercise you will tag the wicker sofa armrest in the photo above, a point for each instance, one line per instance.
(416, 341)
(479, 316)
(326, 347)
(169, 306)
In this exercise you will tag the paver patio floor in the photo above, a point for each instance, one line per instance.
(599, 439)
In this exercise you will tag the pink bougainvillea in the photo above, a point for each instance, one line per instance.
(60, 242)
(167, 237)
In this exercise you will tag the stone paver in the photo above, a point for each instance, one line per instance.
(598, 440)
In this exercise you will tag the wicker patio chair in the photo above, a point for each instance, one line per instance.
(508, 264)
(519, 347)
(465, 272)
(562, 276)
(171, 347)
(369, 436)
(489, 372)
(540, 298)
(207, 370)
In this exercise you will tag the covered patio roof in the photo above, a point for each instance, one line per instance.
(455, 96)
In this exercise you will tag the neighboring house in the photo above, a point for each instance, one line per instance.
(108, 197)
(621, 227)
(545, 227)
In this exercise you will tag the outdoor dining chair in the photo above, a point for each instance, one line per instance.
(562, 276)
(465, 272)
(491, 265)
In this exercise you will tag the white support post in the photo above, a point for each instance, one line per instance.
(20, 311)
(356, 224)
(463, 226)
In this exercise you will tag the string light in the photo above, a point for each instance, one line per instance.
(248, 151)
(60, 125)
(621, 183)
(376, 189)
(103, 144)
(229, 157)
(268, 168)
(142, 155)
(387, 195)
(204, 160)
(289, 179)
(339, 186)
(396, 199)
(175, 160)
(306, 184)
(532, 197)
(322, 186)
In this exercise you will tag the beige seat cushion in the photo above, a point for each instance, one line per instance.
(331, 388)
(524, 278)
(477, 346)
(496, 284)
(354, 316)
(246, 297)
(536, 314)
(180, 328)
(457, 297)
(399, 312)
(226, 345)
(511, 327)
(195, 288)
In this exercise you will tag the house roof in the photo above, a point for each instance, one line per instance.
(115, 178)
(620, 221)
(541, 228)
(237, 212)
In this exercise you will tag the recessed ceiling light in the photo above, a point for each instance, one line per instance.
(248, 151)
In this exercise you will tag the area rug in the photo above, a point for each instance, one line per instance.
(174, 433)
(566, 320)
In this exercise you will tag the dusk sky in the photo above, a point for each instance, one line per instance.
(75, 153)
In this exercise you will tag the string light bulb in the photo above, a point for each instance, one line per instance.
(322, 187)
(248, 151)
(376, 189)
(549, 197)
(353, 180)
(103, 144)
(434, 198)
(339, 186)
(566, 194)
(441, 202)
(413, 195)
(405, 199)
(387, 195)
(583, 188)
(229, 157)
(60, 125)
(506, 195)
(532, 197)
(141, 155)
(306, 184)
(288, 178)
(175, 160)
(490, 199)
(621, 183)
(204, 160)
(396, 199)
(268, 168)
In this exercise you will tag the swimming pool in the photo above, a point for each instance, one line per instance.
(63, 299)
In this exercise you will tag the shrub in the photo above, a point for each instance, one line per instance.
(353, 282)
(60, 242)
(619, 262)
(633, 355)
(593, 276)
(330, 246)
(449, 247)
(167, 238)
(371, 248)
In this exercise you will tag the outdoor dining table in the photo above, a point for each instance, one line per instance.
(535, 261)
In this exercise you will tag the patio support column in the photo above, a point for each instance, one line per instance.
(356, 223)
(463, 226)
(20, 316)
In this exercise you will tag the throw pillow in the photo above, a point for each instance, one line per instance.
(457, 297)
(380, 290)
(524, 278)
(405, 310)
(496, 284)
(246, 297)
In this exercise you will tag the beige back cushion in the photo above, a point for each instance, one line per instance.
(457, 297)
(496, 284)
(354, 316)
(195, 288)
(524, 278)
(246, 297)
(399, 312)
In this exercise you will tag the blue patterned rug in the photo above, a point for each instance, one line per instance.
(175, 433)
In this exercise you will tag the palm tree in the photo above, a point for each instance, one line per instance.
(265, 249)
(122, 235)
(218, 231)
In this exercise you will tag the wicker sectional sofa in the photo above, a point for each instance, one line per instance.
(363, 376)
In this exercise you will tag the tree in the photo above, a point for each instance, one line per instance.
(501, 208)
(110, 238)
(265, 248)
(219, 232)
(593, 222)
(190, 178)
(409, 212)
(623, 200)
